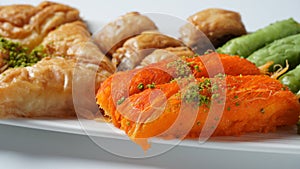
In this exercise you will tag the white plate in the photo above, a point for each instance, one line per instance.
(285, 140)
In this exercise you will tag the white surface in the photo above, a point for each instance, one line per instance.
(35, 149)
(26, 147)
(255, 13)
(285, 140)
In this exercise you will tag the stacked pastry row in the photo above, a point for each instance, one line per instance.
(44, 88)
(142, 44)
(42, 46)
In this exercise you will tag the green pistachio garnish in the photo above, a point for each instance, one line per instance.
(192, 94)
(140, 86)
(15, 55)
(181, 67)
(121, 100)
(151, 86)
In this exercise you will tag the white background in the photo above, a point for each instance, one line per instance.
(255, 13)
(38, 149)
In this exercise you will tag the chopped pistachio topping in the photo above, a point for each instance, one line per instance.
(196, 67)
(192, 94)
(215, 95)
(181, 67)
(140, 86)
(151, 86)
(214, 88)
(205, 84)
(120, 101)
(19, 56)
(220, 75)
(190, 63)
(190, 56)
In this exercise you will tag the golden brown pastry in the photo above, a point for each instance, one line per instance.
(45, 88)
(162, 54)
(135, 49)
(29, 25)
(214, 25)
(42, 90)
(115, 33)
(73, 40)
(60, 41)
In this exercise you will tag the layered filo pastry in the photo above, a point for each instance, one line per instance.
(211, 28)
(115, 33)
(136, 46)
(40, 49)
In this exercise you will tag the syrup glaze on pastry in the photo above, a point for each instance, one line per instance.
(114, 34)
(135, 49)
(44, 89)
(211, 28)
(29, 24)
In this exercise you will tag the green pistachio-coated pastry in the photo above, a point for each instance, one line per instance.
(247, 44)
(279, 51)
(292, 79)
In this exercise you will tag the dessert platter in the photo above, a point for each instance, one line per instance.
(204, 82)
